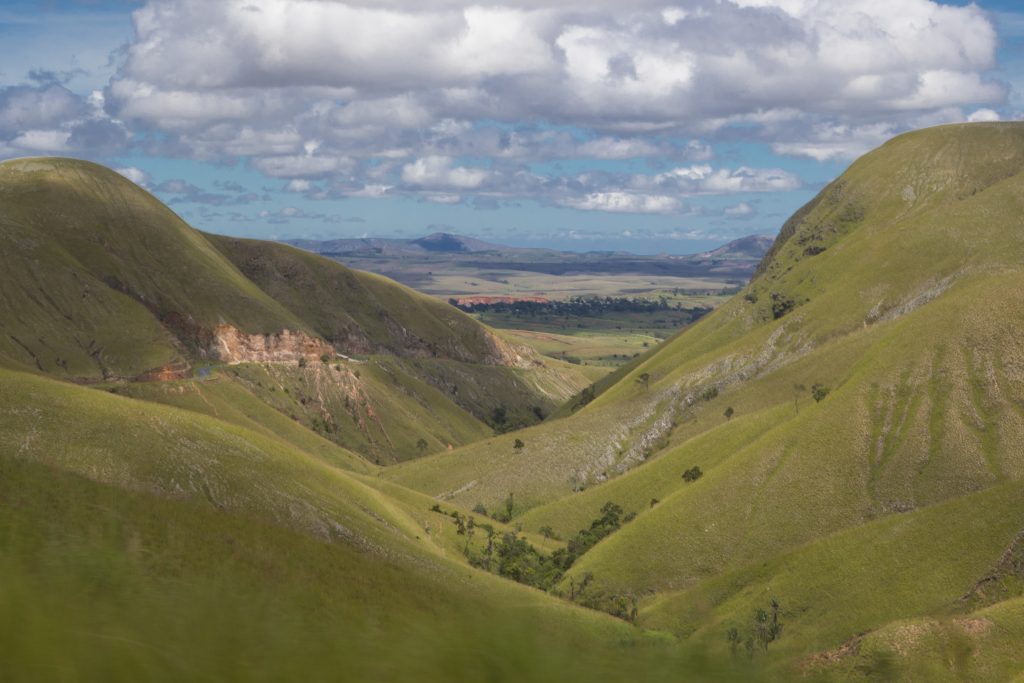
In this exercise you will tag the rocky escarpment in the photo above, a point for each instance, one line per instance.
(501, 352)
(231, 345)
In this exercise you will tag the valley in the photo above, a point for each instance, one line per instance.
(596, 309)
(237, 459)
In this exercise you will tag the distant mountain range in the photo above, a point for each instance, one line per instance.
(410, 260)
(749, 247)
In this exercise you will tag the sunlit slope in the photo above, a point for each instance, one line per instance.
(103, 584)
(99, 278)
(100, 281)
(230, 401)
(900, 291)
(327, 407)
(149, 542)
(362, 313)
(858, 581)
(936, 216)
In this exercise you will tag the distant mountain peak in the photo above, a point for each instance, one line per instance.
(751, 246)
(447, 242)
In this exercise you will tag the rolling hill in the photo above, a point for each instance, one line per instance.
(102, 283)
(821, 479)
(163, 518)
(863, 393)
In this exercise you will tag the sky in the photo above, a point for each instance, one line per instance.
(644, 126)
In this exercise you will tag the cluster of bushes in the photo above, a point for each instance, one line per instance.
(512, 556)
(502, 421)
(583, 398)
(764, 629)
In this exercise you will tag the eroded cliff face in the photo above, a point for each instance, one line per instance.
(231, 345)
(510, 355)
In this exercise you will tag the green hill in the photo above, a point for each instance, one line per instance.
(99, 281)
(898, 293)
(144, 542)
(822, 479)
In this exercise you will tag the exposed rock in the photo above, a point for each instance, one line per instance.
(166, 373)
(510, 355)
(231, 345)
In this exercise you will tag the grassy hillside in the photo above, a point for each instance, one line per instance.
(361, 312)
(99, 281)
(150, 542)
(897, 293)
(100, 278)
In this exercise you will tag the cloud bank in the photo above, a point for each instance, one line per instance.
(459, 102)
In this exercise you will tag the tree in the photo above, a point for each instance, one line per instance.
(480, 509)
(733, 636)
(518, 445)
(302, 362)
(729, 412)
(819, 392)
(645, 379)
(767, 627)
(547, 532)
(499, 416)
(510, 503)
(421, 445)
(470, 528)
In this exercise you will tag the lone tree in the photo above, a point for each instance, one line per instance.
(729, 412)
(644, 379)
(819, 392)
(693, 474)
(518, 445)
(767, 627)
(421, 445)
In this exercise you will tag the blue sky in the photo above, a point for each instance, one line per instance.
(643, 126)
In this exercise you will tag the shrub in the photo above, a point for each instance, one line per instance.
(692, 474)
(819, 392)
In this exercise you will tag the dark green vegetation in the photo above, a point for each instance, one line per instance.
(822, 479)
(621, 327)
(869, 475)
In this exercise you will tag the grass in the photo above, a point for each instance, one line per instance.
(908, 308)
(868, 514)
(86, 284)
(118, 567)
(597, 353)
